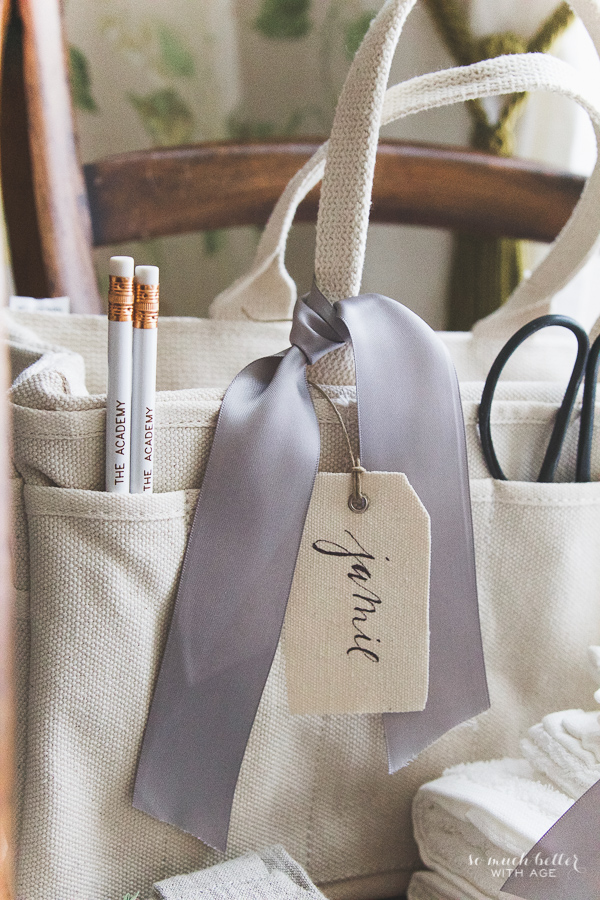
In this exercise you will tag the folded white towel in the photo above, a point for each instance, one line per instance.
(431, 886)
(479, 820)
(565, 747)
(594, 664)
(271, 874)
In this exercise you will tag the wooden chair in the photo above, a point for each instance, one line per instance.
(57, 211)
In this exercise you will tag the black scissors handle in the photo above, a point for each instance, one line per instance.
(563, 415)
(586, 426)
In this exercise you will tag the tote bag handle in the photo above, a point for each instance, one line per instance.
(268, 292)
(345, 197)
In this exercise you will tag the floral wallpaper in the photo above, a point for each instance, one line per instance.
(162, 48)
(160, 72)
(155, 73)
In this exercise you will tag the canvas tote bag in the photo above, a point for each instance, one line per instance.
(97, 573)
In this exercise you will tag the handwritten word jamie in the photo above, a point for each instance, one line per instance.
(359, 575)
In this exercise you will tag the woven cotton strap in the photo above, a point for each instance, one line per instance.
(346, 193)
(268, 292)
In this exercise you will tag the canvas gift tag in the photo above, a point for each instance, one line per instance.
(356, 632)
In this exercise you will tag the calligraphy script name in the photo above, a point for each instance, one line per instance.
(360, 574)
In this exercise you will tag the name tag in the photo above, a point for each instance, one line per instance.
(356, 632)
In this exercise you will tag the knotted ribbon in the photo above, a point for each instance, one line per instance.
(241, 553)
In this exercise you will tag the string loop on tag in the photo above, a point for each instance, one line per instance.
(357, 501)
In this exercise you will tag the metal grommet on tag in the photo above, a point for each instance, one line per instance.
(358, 504)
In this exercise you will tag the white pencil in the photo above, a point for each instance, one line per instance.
(118, 394)
(145, 321)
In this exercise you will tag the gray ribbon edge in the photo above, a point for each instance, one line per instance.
(575, 834)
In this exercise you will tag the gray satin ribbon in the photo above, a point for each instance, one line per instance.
(242, 549)
(571, 848)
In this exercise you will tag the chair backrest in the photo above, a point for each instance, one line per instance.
(176, 190)
(161, 192)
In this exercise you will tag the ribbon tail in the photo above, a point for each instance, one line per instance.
(571, 849)
(232, 596)
(410, 420)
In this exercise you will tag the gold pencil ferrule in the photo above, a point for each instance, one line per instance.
(120, 299)
(145, 306)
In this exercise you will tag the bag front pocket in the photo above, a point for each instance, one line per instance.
(104, 575)
(538, 578)
(104, 572)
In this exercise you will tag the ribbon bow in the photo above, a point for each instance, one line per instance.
(242, 549)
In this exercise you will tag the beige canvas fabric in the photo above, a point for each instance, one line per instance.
(21, 626)
(353, 640)
(103, 574)
(103, 571)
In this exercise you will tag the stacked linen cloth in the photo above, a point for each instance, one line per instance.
(565, 746)
(479, 821)
(476, 823)
(271, 874)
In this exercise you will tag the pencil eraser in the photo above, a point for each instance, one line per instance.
(121, 266)
(146, 274)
